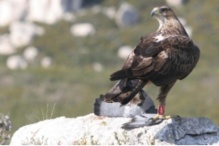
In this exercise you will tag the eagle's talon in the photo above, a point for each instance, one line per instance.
(157, 119)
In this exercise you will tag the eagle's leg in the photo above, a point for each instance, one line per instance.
(164, 90)
(144, 120)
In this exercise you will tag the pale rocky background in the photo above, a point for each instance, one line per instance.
(93, 130)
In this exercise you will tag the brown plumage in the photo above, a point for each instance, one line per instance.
(161, 57)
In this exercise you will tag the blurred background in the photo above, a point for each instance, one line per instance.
(56, 56)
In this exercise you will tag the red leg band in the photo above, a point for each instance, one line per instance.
(161, 109)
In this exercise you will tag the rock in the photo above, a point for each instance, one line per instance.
(176, 3)
(12, 10)
(6, 15)
(82, 29)
(19, 9)
(16, 62)
(72, 5)
(51, 11)
(5, 127)
(69, 17)
(22, 33)
(127, 15)
(96, 9)
(46, 11)
(46, 62)
(91, 129)
(98, 67)
(30, 53)
(124, 51)
(6, 48)
(110, 12)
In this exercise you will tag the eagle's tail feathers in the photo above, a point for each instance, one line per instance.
(121, 74)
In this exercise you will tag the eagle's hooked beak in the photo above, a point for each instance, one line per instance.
(155, 11)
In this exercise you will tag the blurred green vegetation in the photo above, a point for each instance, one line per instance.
(71, 84)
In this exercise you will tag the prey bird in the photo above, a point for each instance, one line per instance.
(141, 104)
(161, 57)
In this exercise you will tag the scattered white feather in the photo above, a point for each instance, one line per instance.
(159, 38)
(163, 54)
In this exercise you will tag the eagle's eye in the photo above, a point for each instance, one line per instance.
(164, 10)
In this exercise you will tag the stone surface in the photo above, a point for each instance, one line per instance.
(45, 11)
(97, 66)
(51, 11)
(16, 62)
(176, 3)
(110, 12)
(71, 5)
(6, 15)
(127, 15)
(22, 33)
(6, 48)
(91, 129)
(46, 62)
(30, 53)
(82, 29)
(13, 10)
(124, 51)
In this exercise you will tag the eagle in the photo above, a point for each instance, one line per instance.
(161, 57)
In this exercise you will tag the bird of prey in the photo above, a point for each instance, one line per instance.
(161, 57)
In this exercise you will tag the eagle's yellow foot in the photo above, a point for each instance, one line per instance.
(157, 119)
(160, 117)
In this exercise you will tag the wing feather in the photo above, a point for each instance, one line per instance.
(174, 55)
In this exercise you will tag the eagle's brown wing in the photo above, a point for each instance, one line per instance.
(161, 62)
(176, 55)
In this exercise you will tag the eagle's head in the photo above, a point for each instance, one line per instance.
(167, 19)
(163, 13)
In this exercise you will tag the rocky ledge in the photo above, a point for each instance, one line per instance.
(91, 129)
